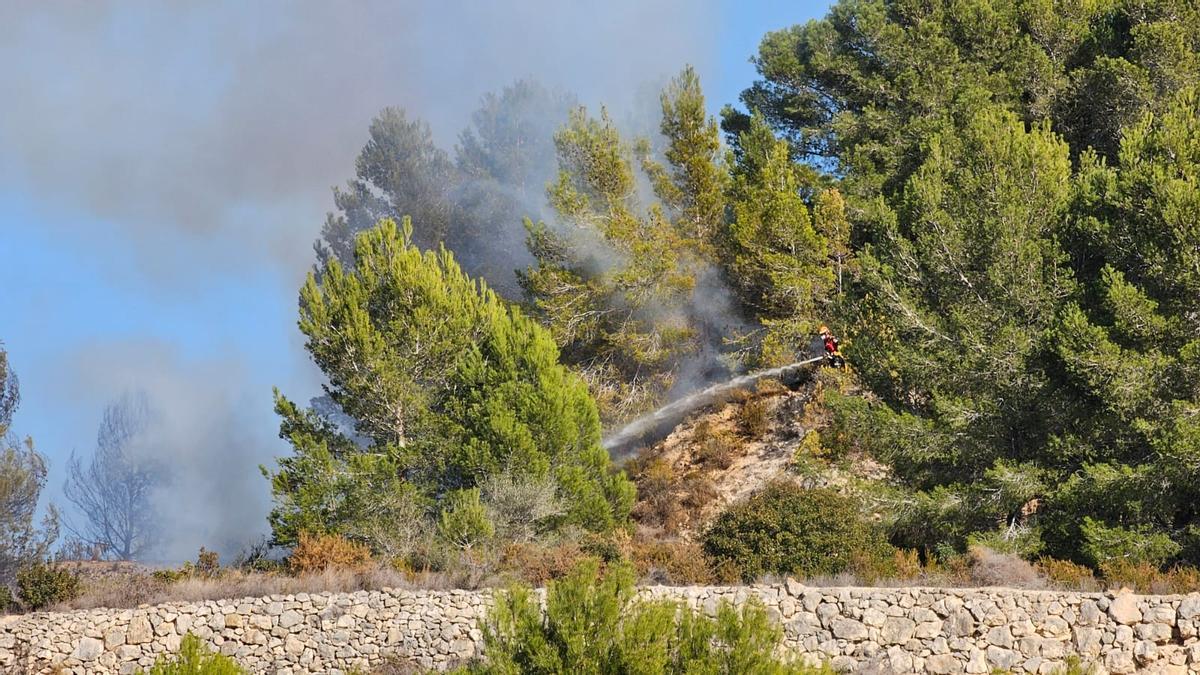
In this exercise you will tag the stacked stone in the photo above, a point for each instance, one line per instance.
(898, 630)
(978, 630)
(282, 634)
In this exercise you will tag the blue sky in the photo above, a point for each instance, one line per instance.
(164, 171)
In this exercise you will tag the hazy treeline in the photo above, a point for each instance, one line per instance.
(995, 203)
(1011, 189)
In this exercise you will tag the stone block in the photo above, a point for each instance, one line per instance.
(942, 664)
(849, 629)
(88, 649)
(1124, 609)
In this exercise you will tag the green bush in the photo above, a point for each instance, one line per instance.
(786, 529)
(207, 566)
(41, 584)
(1104, 545)
(195, 659)
(464, 521)
(593, 624)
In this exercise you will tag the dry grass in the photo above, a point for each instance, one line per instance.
(979, 567)
(1068, 575)
(1146, 578)
(237, 584)
(989, 568)
(675, 563)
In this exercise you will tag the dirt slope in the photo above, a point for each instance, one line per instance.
(724, 453)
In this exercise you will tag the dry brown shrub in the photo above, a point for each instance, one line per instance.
(740, 395)
(1137, 576)
(989, 568)
(769, 386)
(716, 452)
(754, 418)
(875, 567)
(655, 502)
(320, 552)
(1185, 579)
(239, 584)
(703, 431)
(727, 573)
(1068, 575)
(674, 520)
(1146, 578)
(953, 571)
(536, 564)
(672, 562)
(907, 562)
(696, 491)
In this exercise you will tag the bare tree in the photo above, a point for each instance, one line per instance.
(22, 477)
(113, 490)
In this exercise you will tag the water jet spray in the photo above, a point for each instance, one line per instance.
(656, 425)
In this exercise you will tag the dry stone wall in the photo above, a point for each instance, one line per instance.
(901, 630)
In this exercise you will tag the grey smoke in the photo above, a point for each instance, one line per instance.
(204, 138)
(205, 439)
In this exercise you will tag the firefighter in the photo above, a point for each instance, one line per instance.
(832, 353)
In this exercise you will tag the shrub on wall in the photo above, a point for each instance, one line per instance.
(195, 659)
(786, 529)
(593, 624)
(41, 584)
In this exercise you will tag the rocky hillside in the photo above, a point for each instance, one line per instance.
(724, 452)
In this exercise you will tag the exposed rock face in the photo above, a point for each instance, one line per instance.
(873, 630)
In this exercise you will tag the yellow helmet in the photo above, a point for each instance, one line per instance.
(824, 329)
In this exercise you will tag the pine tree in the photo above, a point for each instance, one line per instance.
(778, 261)
(1130, 348)
(614, 285)
(22, 476)
(693, 188)
(950, 319)
(444, 384)
(399, 172)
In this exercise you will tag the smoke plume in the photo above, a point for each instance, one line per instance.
(201, 141)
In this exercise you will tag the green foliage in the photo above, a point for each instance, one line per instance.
(776, 256)
(786, 529)
(443, 384)
(1023, 304)
(617, 283)
(867, 85)
(42, 584)
(593, 624)
(400, 172)
(1129, 346)
(999, 207)
(194, 658)
(464, 520)
(22, 476)
(1105, 545)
